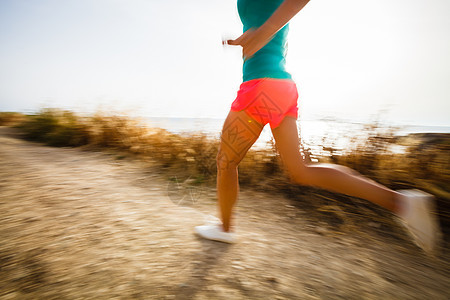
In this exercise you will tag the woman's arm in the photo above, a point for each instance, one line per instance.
(254, 39)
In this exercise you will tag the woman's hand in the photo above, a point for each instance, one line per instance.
(251, 41)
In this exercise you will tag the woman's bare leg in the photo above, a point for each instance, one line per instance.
(331, 177)
(239, 133)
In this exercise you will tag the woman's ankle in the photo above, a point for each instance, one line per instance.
(226, 228)
(397, 207)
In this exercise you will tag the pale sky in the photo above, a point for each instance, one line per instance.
(351, 59)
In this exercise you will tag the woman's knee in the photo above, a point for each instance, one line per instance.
(300, 175)
(226, 161)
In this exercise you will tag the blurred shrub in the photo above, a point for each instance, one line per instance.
(422, 161)
(415, 160)
(11, 118)
(56, 128)
(430, 154)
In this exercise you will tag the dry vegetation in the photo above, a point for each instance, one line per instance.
(423, 162)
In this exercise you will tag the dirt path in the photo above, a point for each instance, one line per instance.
(83, 225)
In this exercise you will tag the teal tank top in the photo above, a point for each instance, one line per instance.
(269, 61)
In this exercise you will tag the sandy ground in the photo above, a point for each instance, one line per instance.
(87, 225)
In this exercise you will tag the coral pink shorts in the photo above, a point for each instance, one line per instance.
(267, 100)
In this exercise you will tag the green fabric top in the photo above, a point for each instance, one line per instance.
(270, 61)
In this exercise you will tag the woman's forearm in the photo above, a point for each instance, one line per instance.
(284, 13)
(255, 38)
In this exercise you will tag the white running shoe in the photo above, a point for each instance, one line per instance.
(417, 215)
(215, 232)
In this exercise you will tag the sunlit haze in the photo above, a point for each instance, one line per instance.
(351, 59)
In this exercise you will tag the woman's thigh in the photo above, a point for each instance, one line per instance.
(239, 133)
(287, 142)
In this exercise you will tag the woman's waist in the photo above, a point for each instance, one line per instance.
(265, 62)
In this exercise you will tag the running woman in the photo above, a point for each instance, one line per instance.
(268, 95)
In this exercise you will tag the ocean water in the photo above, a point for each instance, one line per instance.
(314, 133)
